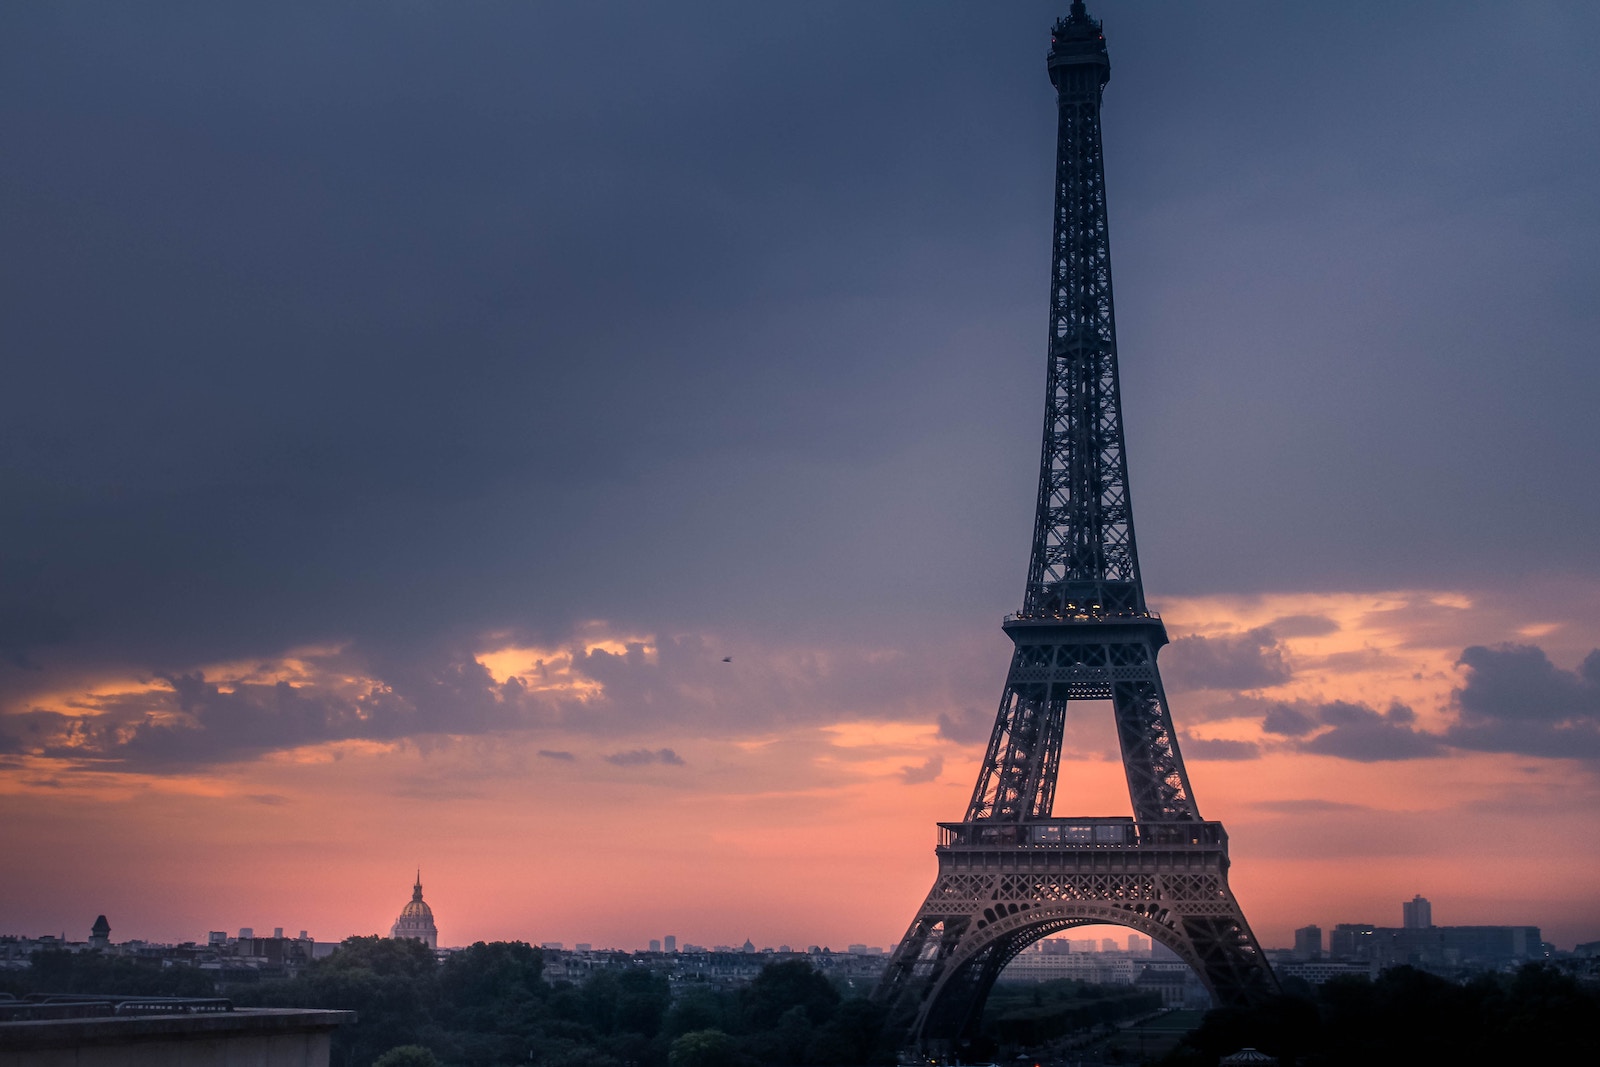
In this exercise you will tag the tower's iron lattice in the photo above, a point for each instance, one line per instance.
(1011, 872)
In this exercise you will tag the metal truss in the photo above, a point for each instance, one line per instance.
(1011, 873)
(1003, 886)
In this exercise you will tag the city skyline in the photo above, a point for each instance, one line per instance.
(1093, 935)
(491, 440)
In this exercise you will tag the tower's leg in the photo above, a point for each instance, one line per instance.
(1158, 785)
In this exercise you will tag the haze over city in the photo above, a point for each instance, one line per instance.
(587, 451)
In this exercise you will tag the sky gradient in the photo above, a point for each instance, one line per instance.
(408, 409)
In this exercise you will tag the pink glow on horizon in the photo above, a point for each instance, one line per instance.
(809, 825)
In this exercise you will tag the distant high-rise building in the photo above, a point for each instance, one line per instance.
(277, 931)
(416, 919)
(1108, 944)
(655, 944)
(1416, 913)
(100, 934)
(1350, 941)
(217, 937)
(1138, 946)
(670, 942)
(1308, 943)
(246, 932)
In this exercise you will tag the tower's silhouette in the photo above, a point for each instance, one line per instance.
(1011, 872)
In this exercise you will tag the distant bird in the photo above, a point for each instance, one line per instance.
(727, 659)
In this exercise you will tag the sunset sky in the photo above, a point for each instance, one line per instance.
(586, 450)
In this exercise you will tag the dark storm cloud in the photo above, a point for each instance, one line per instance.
(926, 771)
(193, 721)
(1516, 700)
(1307, 806)
(1359, 733)
(638, 757)
(1351, 731)
(23, 628)
(1302, 626)
(393, 324)
(677, 685)
(1251, 660)
(967, 727)
(1287, 721)
(1219, 748)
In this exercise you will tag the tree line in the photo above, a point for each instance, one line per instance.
(1537, 1014)
(489, 1005)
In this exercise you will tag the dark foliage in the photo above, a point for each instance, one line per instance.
(1406, 1016)
(56, 971)
(489, 1005)
(782, 987)
(1035, 1013)
(408, 1056)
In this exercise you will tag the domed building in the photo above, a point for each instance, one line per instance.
(416, 919)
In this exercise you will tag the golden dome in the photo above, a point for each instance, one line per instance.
(416, 919)
(417, 908)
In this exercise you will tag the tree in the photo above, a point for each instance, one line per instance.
(1408, 1016)
(781, 986)
(56, 971)
(407, 1056)
(383, 956)
(697, 1009)
(703, 1048)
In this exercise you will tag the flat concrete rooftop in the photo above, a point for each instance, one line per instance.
(257, 1037)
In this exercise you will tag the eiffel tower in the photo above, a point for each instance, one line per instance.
(1012, 872)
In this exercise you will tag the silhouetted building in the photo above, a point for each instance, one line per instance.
(1317, 972)
(1351, 941)
(670, 942)
(1308, 943)
(1416, 913)
(100, 933)
(416, 919)
(1435, 946)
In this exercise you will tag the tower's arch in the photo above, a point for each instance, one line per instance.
(955, 998)
(1003, 886)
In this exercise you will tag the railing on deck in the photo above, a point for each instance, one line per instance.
(1084, 615)
(1077, 834)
